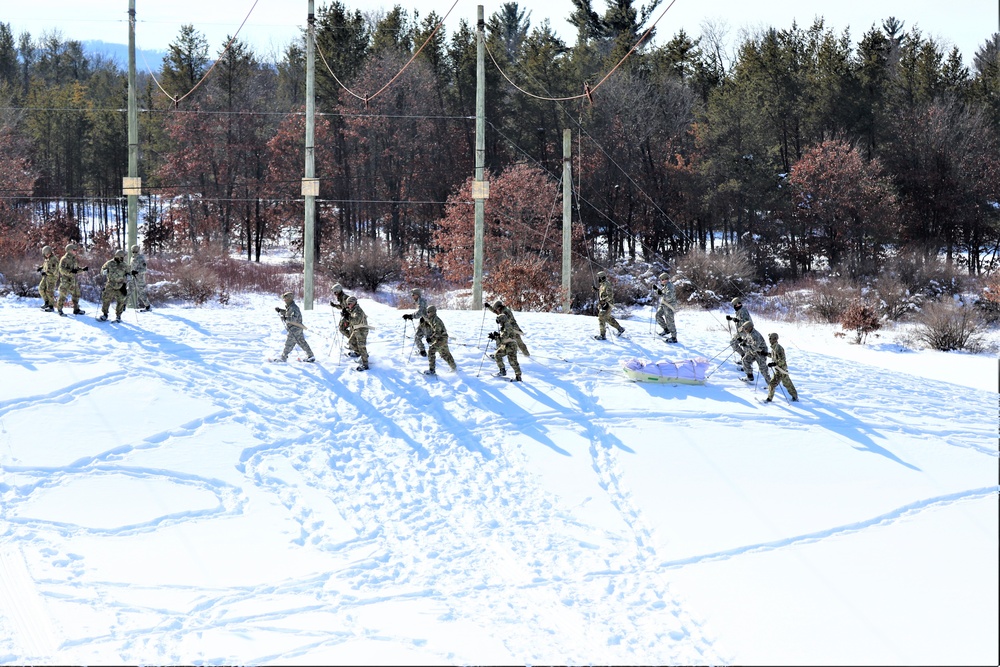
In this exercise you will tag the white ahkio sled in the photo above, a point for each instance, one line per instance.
(688, 371)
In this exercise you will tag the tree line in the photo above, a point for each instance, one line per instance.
(800, 146)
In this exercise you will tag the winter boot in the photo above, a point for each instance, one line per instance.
(748, 378)
(362, 367)
(103, 317)
(517, 378)
(430, 371)
(619, 332)
(500, 374)
(310, 359)
(600, 337)
(77, 311)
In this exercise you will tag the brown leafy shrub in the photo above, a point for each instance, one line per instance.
(950, 325)
(525, 284)
(988, 302)
(190, 282)
(19, 276)
(831, 298)
(709, 279)
(927, 276)
(896, 301)
(367, 266)
(861, 318)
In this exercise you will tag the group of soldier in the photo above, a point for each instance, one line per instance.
(60, 282)
(747, 343)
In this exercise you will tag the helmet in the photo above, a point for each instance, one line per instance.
(135, 249)
(431, 310)
(601, 275)
(119, 254)
(416, 292)
(747, 326)
(664, 276)
(288, 296)
(736, 301)
(47, 250)
(772, 337)
(71, 246)
(351, 300)
(338, 288)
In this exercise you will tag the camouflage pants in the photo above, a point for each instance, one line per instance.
(116, 294)
(345, 326)
(358, 343)
(139, 297)
(423, 331)
(47, 290)
(439, 346)
(521, 346)
(605, 318)
(69, 286)
(508, 349)
(665, 318)
(784, 378)
(752, 356)
(296, 336)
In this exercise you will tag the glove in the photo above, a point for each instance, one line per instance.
(408, 316)
(86, 268)
(494, 335)
(605, 306)
(658, 290)
(333, 304)
(594, 287)
(773, 364)
(135, 273)
(39, 269)
(124, 290)
(344, 313)
(498, 320)
(279, 310)
(74, 270)
(729, 317)
(432, 341)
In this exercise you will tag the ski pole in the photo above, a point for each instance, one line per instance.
(485, 353)
(403, 345)
(482, 325)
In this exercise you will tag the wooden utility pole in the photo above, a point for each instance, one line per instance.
(132, 186)
(310, 184)
(480, 188)
(567, 236)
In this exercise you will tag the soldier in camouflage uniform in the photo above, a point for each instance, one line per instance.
(755, 351)
(605, 300)
(50, 279)
(437, 340)
(137, 268)
(358, 338)
(500, 309)
(667, 308)
(292, 317)
(506, 347)
(69, 286)
(340, 303)
(116, 271)
(742, 317)
(419, 315)
(780, 365)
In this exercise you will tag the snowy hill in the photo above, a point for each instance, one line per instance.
(169, 496)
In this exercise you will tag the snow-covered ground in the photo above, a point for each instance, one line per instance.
(168, 496)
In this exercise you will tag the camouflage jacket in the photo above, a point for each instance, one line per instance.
(69, 265)
(778, 357)
(116, 270)
(436, 325)
(606, 294)
(50, 267)
(668, 296)
(357, 319)
(138, 264)
(291, 316)
(742, 317)
(508, 329)
(754, 342)
(421, 311)
(509, 313)
(341, 299)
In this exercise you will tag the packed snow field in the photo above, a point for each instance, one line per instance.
(168, 496)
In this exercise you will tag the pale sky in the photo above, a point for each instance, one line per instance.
(966, 24)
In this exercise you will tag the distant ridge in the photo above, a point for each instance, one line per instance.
(119, 54)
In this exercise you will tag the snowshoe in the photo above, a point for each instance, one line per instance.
(278, 360)
(500, 374)
(429, 372)
(619, 332)
(361, 367)
(307, 360)
(353, 354)
(748, 379)
(600, 337)
(102, 318)
(47, 309)
(517, 378)
(62, 314)
(77, 311)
